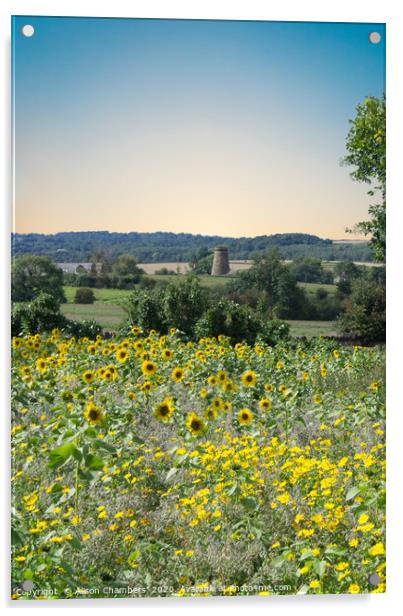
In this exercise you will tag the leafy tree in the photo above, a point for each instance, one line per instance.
(366, 146)
(32, 275)
(345, 273)
(364, 317)
(126, 272)
(225, 317)
(281, 297)
(40, 314)
(184, 303)
(310, 269)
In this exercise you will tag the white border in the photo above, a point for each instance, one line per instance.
(388, 11)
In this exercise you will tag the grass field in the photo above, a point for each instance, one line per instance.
(312, 328)
(312, 287)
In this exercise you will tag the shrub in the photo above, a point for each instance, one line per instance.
(364, 318)
(84, 295)
(41, 314)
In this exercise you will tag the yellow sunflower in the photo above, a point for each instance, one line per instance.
(195, 424)
(148, 368)
(40, 364)
(164, 410)
(265, 404)
(177, 374)
(210, 413)
(88, 376)
(248, 378)
(93, 413)
(245, 417)
(122, 354)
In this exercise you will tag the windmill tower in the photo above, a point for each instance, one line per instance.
(220, 262)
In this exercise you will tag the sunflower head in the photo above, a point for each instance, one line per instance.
(177, 374)
(148, 367)
(195, 424)
(248, 378)
(122, 354)
(210, 413)
(164, 410)
(93, 413)
(245, 417)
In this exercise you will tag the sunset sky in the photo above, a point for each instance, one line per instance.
(210, 127)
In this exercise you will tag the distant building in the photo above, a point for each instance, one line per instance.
(71, 268)
(220, 262)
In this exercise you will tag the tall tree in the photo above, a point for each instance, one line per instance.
(366, 146)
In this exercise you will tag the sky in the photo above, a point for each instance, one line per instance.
(208, 127)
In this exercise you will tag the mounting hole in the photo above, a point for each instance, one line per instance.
(28, 30)
(374, 38)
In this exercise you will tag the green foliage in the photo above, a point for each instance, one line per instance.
(32, 275)
(125, 272)
(88, 327)
(366, 146)
(184, 304)
(238, 323)
(364, 317)
(310, 269)
(275, 332)
(280, 296)
(38, 315)
(84, 295)
(174, 247)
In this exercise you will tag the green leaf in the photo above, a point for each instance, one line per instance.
(94, 462)
(352, 493)
(249, 503)
(100, 444)
(278, 561)
(58, 456)
(171, 473)
(75, 543)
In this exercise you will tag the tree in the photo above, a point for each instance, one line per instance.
(126, 272)
(310, 269)
(280, 295)
(364, 317)
(345, 273)
(366, 146)
(32, 275)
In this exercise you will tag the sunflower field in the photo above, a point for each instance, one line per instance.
(147, 465)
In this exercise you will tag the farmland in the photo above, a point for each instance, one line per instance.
(109, 313)
(145, 462)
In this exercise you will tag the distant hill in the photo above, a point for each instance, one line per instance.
(159, 246)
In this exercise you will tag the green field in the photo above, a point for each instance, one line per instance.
(312, 287)
(312, 328)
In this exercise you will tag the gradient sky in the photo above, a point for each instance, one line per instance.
(212, 127)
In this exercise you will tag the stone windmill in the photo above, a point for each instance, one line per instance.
(220, 261)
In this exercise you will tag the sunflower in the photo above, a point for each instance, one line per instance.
(135, 331)
(221, 376)
(88, 376)
(92, 413)
(268, 387)
(148, 368)
(245, 417)
(164, 410)
(194, 424)
(210, 413)
(146, 387)
(122, 354)
(167, 354)
(248, 378)
(265, 404)
(177, 374)
(40, 364)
